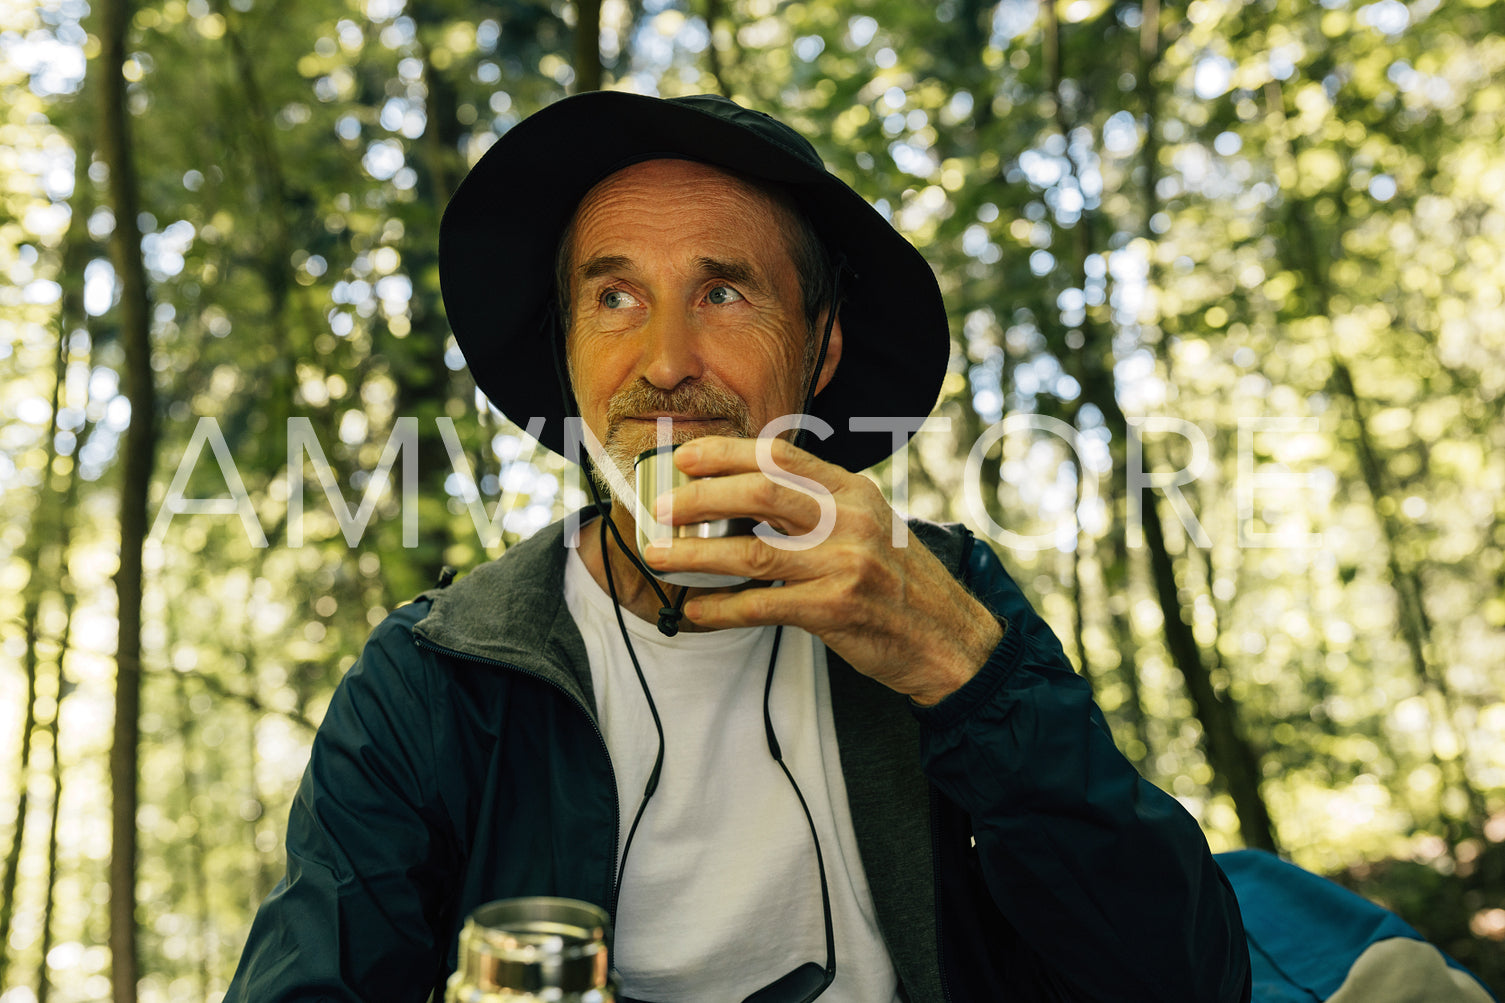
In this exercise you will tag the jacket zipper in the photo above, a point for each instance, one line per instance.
(935, 867)
(589, 717)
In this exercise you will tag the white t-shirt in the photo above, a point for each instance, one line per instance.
(721, 893)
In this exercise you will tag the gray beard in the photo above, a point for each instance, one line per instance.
(625, 442)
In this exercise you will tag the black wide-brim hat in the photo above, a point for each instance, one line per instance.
(500, 236)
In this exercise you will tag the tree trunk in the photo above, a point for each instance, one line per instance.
(263, 874)
(197, 876)
(13, 856)
(1411, 615)
(1094, 376)
(64, 542)
(713, 14)
(138, 455)
(76, 250)
(45, 549)
(1078, 602)
(1116, 585)
(1230, 754)
(587, 45)
(274, 237)
(1228, 751)
(1116, 574)
(44, 981)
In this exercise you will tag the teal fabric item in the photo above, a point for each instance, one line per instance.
(1304, 931)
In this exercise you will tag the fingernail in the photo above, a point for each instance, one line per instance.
(663, 507)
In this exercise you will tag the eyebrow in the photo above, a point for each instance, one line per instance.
(604, 264)
(731, 270)
(739, 272)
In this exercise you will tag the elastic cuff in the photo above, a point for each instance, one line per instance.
(977, 690)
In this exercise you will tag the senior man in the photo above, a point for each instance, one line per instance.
(867, 773)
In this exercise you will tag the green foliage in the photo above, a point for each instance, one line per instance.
(1267, 210)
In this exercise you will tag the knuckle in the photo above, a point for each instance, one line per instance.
(867, 577)
(846, 609)
(866, 521)
(766, 493)
(785, 456)
(759, 607)
(762, 559)
(811, 511)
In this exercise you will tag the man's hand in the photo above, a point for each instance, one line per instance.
(894, 613)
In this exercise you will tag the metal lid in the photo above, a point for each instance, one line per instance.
(535, 944)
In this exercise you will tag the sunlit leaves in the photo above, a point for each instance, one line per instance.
(1287, 185)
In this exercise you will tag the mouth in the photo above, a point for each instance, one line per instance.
(678, 419)
(634, 433)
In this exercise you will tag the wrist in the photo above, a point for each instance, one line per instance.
(972, 647)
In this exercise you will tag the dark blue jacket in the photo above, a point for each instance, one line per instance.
(1012, 852)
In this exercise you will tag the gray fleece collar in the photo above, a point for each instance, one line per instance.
(512, 611)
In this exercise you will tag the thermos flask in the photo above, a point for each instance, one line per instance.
(533, 950)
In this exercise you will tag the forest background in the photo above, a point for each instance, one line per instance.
(1256, 249)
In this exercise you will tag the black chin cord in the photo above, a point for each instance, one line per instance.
(669, 613)
(820, 358)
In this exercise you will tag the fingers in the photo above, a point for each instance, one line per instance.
(748, 608)
(730, 496)
(717, 455)
(851, 573)
(748, 556)
(766, 479)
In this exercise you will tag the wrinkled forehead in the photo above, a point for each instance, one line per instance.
(707, 187)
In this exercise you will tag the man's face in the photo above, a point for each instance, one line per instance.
(684, 303)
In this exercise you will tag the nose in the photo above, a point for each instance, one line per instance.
(671, 351)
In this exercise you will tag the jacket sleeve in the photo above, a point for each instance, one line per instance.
(356, 916)
(1107, 878)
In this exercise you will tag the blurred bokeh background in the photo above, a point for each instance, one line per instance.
(1225, 282)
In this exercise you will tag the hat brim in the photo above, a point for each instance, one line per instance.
(499, 238)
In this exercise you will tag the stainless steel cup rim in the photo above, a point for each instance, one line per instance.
(576, 926)
(535, 943)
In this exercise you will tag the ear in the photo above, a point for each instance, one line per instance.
(833, 354)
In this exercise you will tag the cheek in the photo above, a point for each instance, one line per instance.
(599, 367)
(771, 370)
(583, 372)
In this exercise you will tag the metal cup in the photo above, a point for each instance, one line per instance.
(533, 950)
(655, 473)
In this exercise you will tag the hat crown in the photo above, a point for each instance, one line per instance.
(762, 124)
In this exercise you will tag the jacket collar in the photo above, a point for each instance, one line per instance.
(511, 611)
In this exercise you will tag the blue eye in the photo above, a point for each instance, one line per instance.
(616, 299)
(720, 295)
